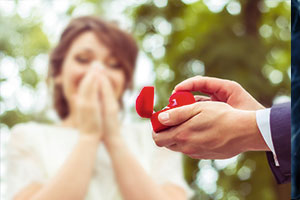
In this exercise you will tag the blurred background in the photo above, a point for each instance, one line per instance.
(243, 40)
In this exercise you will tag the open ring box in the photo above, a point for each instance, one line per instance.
(145, 102)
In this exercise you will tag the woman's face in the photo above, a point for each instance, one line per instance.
(87, 50)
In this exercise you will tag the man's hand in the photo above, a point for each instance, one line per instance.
(222, 90)
(210, 130)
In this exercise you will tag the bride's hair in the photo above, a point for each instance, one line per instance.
(121, 44)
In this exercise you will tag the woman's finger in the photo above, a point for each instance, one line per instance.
(88, 85)
(87, 97)
(109, 101)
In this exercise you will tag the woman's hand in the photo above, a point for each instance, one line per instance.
(88, 109)
(110, 108)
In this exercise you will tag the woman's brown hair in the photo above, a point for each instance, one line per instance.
(121, 44)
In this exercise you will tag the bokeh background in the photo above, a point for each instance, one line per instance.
(243, 40)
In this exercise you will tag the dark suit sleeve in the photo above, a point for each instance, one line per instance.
(280, 122)
(295, 93)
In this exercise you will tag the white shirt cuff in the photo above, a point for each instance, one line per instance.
(263, 123)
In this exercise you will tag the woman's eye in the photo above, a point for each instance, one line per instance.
(82, 59)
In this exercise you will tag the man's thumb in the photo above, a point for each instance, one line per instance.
(179, 115)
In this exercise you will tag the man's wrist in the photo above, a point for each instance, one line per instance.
(253, 137)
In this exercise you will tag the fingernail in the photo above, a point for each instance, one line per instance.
(164, 116)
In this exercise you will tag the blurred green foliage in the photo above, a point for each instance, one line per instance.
(250, 46)
(21, 40)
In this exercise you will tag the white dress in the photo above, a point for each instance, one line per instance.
(36, 151)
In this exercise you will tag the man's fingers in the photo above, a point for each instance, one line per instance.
(179, 115)
(208, 85)
(165, 138)
(175, 147)
(200, 83)
(202, 98)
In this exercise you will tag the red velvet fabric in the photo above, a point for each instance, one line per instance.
(145, 101)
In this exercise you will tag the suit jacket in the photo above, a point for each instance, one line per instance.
(295, 63)
(280, 122)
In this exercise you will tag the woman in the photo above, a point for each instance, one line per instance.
(88, 155)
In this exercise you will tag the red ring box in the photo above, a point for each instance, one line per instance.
(145, 102)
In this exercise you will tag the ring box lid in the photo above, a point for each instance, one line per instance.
(145, 102)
